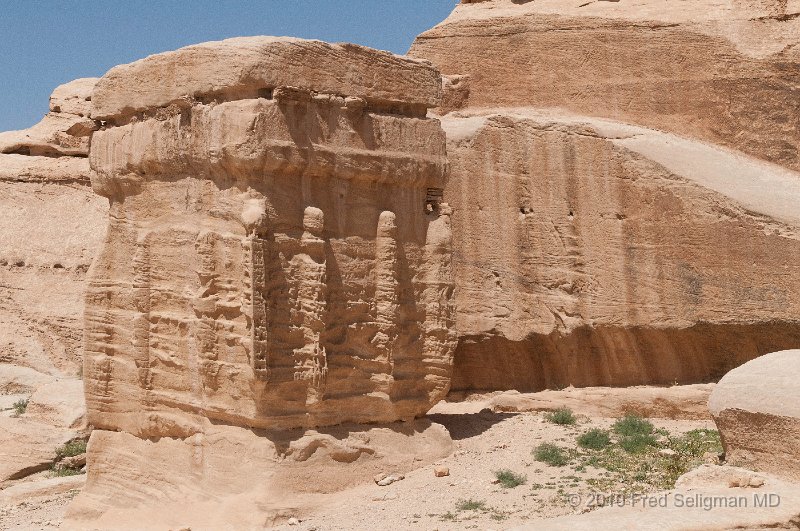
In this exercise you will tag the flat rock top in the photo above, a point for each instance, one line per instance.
(674, 11)
(241, 67)
(769, 384)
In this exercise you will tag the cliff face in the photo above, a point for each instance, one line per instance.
(724, 72)
(590, 252)
(51, 225)
(597, 252)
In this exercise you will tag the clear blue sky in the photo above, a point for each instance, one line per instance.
(46, 43)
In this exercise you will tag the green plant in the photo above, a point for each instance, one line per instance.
(594, 439)
(509, 479)
(61, 471)
(71, 449)
(633, 425)
(695, 443)
(20, 406)
(550, 454)
(637, 443)
(470, 505)
(563, 416)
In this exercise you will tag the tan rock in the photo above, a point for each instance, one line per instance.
(74, 97)
(720, 71)
(65, 130)
(30, 491)
(564, 279)
(27, 446)
(51, 225)
(758, 416)
(315, 291)
(235, 477)
(61, 403)
(18, 380)
(441, 471)
(251, 67)
(277, 257)
(674, 402)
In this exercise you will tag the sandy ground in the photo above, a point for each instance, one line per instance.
(484, 442)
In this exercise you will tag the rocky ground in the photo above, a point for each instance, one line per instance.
(486, 440)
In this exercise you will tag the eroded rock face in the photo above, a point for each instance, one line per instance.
(590, 252)
(755, 408)
(51, 226)
(277, 256)
(721, 71)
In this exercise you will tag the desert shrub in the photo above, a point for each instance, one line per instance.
(637, 443)
(71, 449)
(563, 416)
(633, 425)
(61, 471)
(20, 406)
(594, 439)
(509, 479)
(550, 454)
(470, 505)
(695, 443)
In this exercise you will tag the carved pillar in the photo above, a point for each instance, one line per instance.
(387, 290)
(439, 327)
(311, 294)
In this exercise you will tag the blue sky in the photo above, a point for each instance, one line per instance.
(46, 43)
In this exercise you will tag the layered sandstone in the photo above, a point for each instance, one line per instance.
(51, 226)
(589, 252)
(274, 257)
(277, 257)
(757, 414)
(720, 71)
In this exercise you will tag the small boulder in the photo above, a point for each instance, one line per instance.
(441, 471)
(756, 409)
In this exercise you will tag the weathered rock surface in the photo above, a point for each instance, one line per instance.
(269, 262)
(677, 402)
(231, 477)
(277, 257)
(28, 446)
(589, 252)
(756, 410)
(721, 71)
(30, 491)
(16, 380)
(51, 226)
(245, 68)
(64, 131)
(60, 403)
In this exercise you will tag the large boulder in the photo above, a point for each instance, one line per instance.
(721, 71)
(589, 252)
(756, 410)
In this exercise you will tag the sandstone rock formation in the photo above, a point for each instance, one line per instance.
(270, 261)
(755, 408)
(721, 71)
(277, 257)
(590, 252)
(51, 225)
